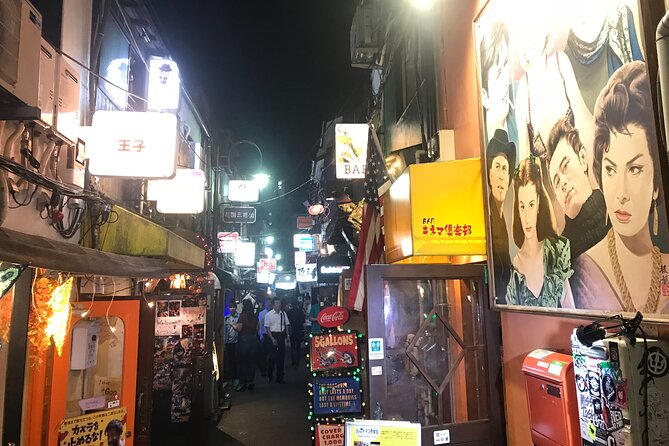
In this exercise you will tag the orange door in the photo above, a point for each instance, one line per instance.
(118, 325)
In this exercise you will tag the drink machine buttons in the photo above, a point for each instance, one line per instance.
(551, 399)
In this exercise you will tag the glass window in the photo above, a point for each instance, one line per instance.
(6, 306)
(96, 372)
(435, 356)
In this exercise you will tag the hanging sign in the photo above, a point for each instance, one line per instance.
(303, 242)
(227, 242)
(245, 191)
(333, 351)
(329, 435)
(95, 428)
(183, 194)
(337, 396)
(266, 265)
(306, 272)
(304, 222)
(351, 150)
(133, 144)
(300, 258)
(164, 85)
(332, 317)
(239, 214)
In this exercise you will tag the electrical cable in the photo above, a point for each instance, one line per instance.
(287, 193)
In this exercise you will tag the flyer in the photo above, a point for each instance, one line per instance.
(385, 433)
(93, 428)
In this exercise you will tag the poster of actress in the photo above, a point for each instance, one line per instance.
(576, 210)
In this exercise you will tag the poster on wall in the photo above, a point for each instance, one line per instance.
(386, 433)
(104, 427)
(336, 396)
(575, 204)
(333, 351)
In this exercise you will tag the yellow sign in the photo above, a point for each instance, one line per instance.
(386, 433)
(105, 427)
(436, 209)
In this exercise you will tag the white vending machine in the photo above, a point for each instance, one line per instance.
(610, 378)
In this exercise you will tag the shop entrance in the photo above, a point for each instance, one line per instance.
(435, 358)
(97, 382)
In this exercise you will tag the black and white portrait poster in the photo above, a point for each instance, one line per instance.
(576, 209)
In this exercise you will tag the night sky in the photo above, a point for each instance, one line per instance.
(272, 70)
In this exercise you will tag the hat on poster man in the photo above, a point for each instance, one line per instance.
(499, 144)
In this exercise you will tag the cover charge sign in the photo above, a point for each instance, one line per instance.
(329, 435)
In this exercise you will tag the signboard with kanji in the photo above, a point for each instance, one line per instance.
(266, 265)
(227, 242)
(239, 214)
(133, 144)
(95, 428)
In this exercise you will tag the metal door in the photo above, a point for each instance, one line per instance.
(441, 364)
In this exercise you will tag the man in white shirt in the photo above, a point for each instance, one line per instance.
(277, 328)
(264, 339)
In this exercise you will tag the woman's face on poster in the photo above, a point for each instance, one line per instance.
(627, 181)
(496, 96)
(528, 208)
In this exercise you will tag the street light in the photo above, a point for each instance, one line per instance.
(279, 268)
(277, 256)
(269, 252)
(423, 5)
(269, 239)
(261, 180)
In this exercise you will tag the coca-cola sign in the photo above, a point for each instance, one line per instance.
(332, 317)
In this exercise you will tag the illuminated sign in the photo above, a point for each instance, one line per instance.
(337, 395)
(239, 214)
(244, 191)
(331, 267)
(265, 277)
(333, 351)
(245, 254)
(183, 194)
(133, 144)
(267, 265)
(351, 150)
(300, 258)
(227, 242)
(164, 85)
(303, 242)
(306, 272)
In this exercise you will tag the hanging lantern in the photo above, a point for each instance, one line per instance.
(316, 209)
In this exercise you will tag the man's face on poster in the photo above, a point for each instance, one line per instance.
(113, 438)
(499, 178)
(496, 93)
(569, 178)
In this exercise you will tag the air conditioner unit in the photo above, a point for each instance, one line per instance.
(47, 84)
(366, 35)
(20, 35)
(68, 90)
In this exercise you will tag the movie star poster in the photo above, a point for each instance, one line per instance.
(576, 210)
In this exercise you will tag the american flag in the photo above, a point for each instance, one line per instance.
(370, 245)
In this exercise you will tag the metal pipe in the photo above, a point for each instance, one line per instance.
(45, 156)
(662, 44)
(11, 140)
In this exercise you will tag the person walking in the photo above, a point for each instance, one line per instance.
(296, 318)
(277, 327)
(313, 315)
(263, 351)
(231, 338)
(247, 327)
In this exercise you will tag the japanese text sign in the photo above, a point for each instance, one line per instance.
(239, 214)
(133, 144)
(333, 351)
(337, 395)
(227, 242)
(266, 265)
(386, 433)
(90, 428)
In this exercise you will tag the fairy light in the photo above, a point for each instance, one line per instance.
(88, 311)
(149, 303)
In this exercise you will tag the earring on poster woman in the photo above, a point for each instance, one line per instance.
(655, 218)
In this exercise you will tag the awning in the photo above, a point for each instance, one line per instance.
(42, 252)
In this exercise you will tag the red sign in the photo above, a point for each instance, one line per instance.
(332, 317)
(333, 351)
(266, 265)
(329, 435)
(304, 222)
(227, 242)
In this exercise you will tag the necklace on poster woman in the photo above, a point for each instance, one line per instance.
(653, 291)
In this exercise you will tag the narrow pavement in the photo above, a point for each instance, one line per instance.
(272, 414)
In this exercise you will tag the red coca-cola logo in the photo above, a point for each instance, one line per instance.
(332, 317)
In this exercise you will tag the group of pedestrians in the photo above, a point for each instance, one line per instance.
(262, 339)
